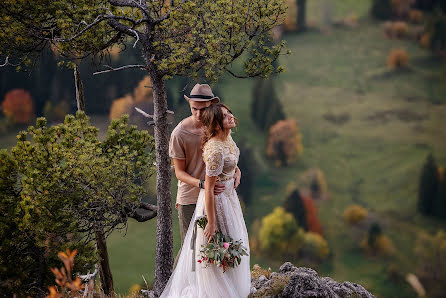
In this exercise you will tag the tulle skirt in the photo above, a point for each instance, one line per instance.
(211, 282)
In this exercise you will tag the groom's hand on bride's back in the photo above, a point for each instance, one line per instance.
(218, 189)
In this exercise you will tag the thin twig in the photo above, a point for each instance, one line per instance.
(119, 68)
(7, 62)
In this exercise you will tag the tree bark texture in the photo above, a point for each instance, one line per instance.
(104, 265)
(301, 15)
(164, 235)
(79, 89)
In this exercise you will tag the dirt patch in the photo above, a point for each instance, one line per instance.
(404, 115)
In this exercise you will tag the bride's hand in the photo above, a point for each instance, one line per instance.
(210, 230)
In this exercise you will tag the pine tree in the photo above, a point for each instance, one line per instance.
(428, 186)
(266, 108)
(295, 206)
(247, 166)
(439, 205)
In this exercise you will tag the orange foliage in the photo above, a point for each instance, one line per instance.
(396, 29)
(397, 58)
(284, 141)
(425, 40)
(313, 222)
(18, 106)
(124, 105)
(142, 93)
(121, 106)
(290, 22)
(63, 276)
(415, 16)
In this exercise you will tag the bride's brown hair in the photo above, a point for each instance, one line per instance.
(212, 119)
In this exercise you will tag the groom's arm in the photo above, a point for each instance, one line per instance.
(182, 175)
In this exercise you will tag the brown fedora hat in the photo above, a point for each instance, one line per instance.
(202, 92)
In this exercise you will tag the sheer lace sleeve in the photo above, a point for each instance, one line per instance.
(213, 158)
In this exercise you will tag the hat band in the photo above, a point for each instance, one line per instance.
(201, 96)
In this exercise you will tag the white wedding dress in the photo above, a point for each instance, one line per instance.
(211, 282)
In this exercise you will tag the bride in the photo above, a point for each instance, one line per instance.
(220, 154)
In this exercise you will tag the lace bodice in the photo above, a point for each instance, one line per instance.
(221, 158)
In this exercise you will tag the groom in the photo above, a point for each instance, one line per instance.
(185, 151)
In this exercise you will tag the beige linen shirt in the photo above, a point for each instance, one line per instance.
(186, 145)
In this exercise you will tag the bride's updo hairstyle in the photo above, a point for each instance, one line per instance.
(212, 120)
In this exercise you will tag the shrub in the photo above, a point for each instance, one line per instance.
(284, 142)
(396, 29)
(279, 234)
(397, 58)
(18, 106)
(415, 16)
(314, 247)
(354, 214)
(425, 40)
(376, 243)
(430, 251)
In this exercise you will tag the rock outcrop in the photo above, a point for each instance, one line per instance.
(303, 282)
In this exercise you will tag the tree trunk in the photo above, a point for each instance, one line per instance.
(104, 265)
(301, 15)
(164, 235)
(79, 90)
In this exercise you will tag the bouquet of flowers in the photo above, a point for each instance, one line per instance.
(222, 250)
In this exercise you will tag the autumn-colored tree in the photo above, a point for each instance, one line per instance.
(395, 30)
(397, 58)
(354, 214)
(284, 142)
(279, 234)
(18, 105)
(430, 251)
(415, 16)
(401, 8)
(174, 38)
(311, 215)
(428, 186)
(314, 247)
(376, 243)
(247, 165)
(290, 22)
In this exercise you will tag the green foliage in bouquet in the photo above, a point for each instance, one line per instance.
(222, 250)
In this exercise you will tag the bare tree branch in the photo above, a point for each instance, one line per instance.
(7, 63)
(119, 68)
